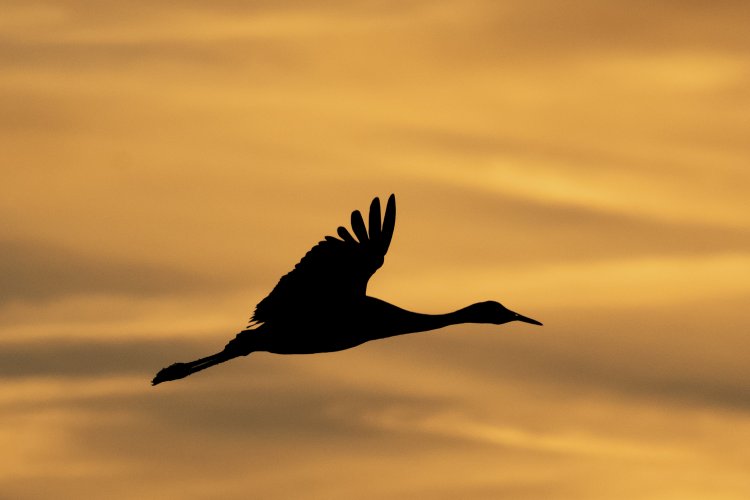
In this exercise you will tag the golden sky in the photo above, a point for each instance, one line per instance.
(583, 162)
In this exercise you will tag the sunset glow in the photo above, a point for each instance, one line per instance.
(584, 163)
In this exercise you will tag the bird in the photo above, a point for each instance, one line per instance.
(322, 304)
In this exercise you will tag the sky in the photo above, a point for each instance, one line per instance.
(584, 163)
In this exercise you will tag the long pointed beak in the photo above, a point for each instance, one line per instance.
(520, 317)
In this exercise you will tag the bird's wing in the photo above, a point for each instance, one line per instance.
(336, 269)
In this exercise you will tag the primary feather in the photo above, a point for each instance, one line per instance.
(334, 270)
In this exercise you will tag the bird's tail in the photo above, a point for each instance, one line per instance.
(177, 371)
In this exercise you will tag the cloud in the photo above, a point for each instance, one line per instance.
(508, 230)
(91, 358)
(656, 355)
(585, 163)
(254, 421)
(38, 271)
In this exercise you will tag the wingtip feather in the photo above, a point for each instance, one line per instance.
(389, 222)
(358, 225)
(375, 227)
(345, 235)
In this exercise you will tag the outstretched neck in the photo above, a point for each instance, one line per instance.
(396, 321)
(424, 322)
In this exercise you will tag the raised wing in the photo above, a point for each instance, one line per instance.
(335, 271)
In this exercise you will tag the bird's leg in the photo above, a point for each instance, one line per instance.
(177, 371)
(181, 370)
(243, 343)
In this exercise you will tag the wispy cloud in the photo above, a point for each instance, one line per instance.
(583, 163)
(37, 271)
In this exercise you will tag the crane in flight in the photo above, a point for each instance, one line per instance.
(322, 305)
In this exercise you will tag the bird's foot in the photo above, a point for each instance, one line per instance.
(172, 372)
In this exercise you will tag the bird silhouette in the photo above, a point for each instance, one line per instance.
(322, 305)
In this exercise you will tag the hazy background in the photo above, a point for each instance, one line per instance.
(585, 163)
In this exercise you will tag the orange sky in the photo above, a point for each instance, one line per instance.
(585, 163)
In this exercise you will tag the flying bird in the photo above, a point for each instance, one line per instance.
(322, 304)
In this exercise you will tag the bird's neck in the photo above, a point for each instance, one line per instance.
(396, 321)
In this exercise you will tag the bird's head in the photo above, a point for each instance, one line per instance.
(495, 313)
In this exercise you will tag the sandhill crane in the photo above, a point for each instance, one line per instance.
(322, 306)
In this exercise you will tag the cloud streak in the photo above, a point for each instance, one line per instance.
(585, 164)
(35, 271)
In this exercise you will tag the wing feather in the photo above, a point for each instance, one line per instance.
(345, 235)
(358, 225)
(334, 271)
(375, 220)
(389, 223)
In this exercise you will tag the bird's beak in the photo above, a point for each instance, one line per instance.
(520, 317)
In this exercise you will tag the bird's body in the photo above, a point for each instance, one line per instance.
(343, 328)
(322, 306)
(333, 329)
